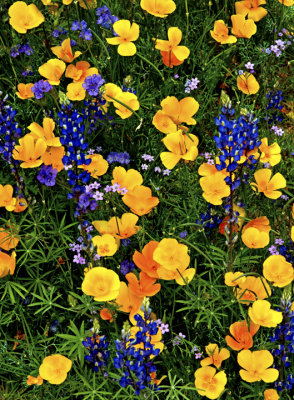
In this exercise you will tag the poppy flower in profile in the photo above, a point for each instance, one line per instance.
(140, 200)
(29, 151)
(127, 34)
(271, 394)
(270, 154)
(24, 17)
(145, 286)
(127, 301)
(46, 132)
(278, 270)
(253, 289)
(209, 382)
(251, 9)
(126, 99)
(243, 28)
(97, 167)
(267, 185)
(102, 283)
(145, 260)
(220, 33)
(52, 70)
(126, 179)
(80, 71)
(64, 52)
(6, 197)
(180, 111)
(106, 315)
(180, 146)
(7, 264)
(241, 335)
(262, 314)
(120, 228)
(169, 59)
(215, 356)
(247, 83)
(54, 368)
(24, 91)
(158, 8)
(8, 237)
(256, 366)
(172, 44)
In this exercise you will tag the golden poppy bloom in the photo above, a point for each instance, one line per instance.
(106, 245)
(120, 228)
(234, 278)
(158, 8)
(29, 151)
(255, 239)
(209, 382)
(145, 286)
(262, 314)
(46, 132)
(215, 356)
(97, 167)
(53, 156)
(145, 260)
(247, 83)
(140, 200)
(253, 289)
(24, 17)
(88, 4)
(164, 123)
(112, 90)
(270, 154)
(64, 52)
(180, 146)
(126, 179)
(20, 204)
(220, 33)
(127, 301)
(6, 197)
(127, 34)
(243, 28)
(7, 264)
(102, 283)
(75, 91)
(80, 71)
(126, 99)
(256, 366)
(271, 394)
(267, 185)
(171, 254)
(25, 91)
(251, 9)
(277, 270)
(242, 335)
(52, 70)
(169, 59)
(55, 368)
(31, 380)
(106, 315)
(8, 238)
(214, 188)
(172, 44)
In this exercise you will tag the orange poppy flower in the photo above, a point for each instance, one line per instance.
(97, 167)
(52, 70)
(20, 204)
(24, 91)
(253, 289)
(127, 301)
(243, 28)
(75, 91)
(169, 59)
(214, 188)
(215, 356)
(64, 52)
(31, 380)
(106, 315)
(6, 197)
(271, 394)
(140, 200)
(120, 228)
(126, 179)
(158, 8)
(209, 382)
(277, 270)
(112, 90)
(24, 17)
(8, 237)
(55, 368)
(145, 286)
(29, 151)
(256, 366)
(251, 8)
(126, 99)
(270, 154)
(145, 260)
(53, 156)
(220, 33)
(171, 45)
(242, 336)
(127, 34)
(247, 83)
(46, 132)
(7, 264)
(267, 185)
(80, 71)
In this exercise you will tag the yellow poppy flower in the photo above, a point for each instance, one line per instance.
(209, 382)
(102, 283)
(256, 366)
(243, 28)
(7, 264)
(97, 167)
(46, 132)
(271, 394)
(6, 197)
(270, 154)
(158, 8)
(140, 200)
(126, 179)
(52, 70)
(247, 83)
(277, 270)
(75, 91)
(126, 99)
(267, 185)
(55, 368)
(171, 45)
(24, 91)
(251, 9)
(127, 34)
(262, 314)
(106, 245)
(215, 356)
(29, 151)
(64, 52)
(24, 17)
(214, 188)
(220, 33)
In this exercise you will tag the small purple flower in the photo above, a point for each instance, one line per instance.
(92, 84)
(126, 266)
(166, 172)
(144, 166)
(40, 88)
(183, 234)
(249, 65)
(241, 72)
(279, 241)
(47, 175)
(273, 250)
(157, 169)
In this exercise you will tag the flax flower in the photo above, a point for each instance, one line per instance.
(253, 289)
(209, 382)
(158, 8)
(172, 44)
(241, 335)
(251, 8)
(126, 99)
(126, 179)
(267, 185)
(97, 167)
(106, 245)
(6, 197)
(214, 188)
(25, 91)
(102, 283)
(127, 34)
(262, 314)
(145, 286)
(180, 146)
(277, 270)
(80, 71)
(24, 17)
(270, 154)
(29, 151)
(7, 264)
(220, 33)
(140, 200)
(52, 70)
(46, 132)
(145, 260)
(64, 52)
(247, 83)
(55, 368)
(256, 366)
(243, 28)
(215, 356)
(234, 278)
(271, 394)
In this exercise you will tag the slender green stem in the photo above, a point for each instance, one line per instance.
(150, 63)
